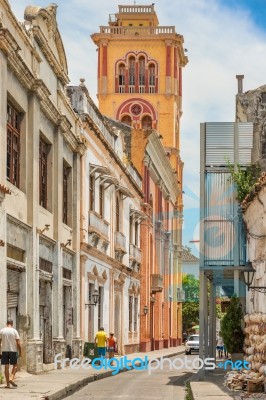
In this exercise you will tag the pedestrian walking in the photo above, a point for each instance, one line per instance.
(10, 348)
(111, 346)
(100, 342)
(220, 345)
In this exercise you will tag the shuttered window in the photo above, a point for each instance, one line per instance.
(12, 288)
(13, 145)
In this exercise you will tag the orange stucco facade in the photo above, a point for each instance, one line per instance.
(140, 84)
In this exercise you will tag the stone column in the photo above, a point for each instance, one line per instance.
(3, 107)
(76, 277)
(57, 328)
(83, 260)
(34, 344)
(104, 47)
(168, 64)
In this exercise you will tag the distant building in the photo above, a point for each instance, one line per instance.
(190, 263)
(140, 84)
(111, 196)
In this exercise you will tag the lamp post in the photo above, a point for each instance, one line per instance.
(249, 273)
(95, 298)
(145, 310)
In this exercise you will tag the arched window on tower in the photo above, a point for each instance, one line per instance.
(142, 75)
(146, 122)
(152, 78)
(126, 119)
(121, 78)
(132, 74)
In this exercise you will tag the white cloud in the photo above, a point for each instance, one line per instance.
(221, 43)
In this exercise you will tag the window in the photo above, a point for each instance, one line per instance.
(121, 75)
(100, 307)
(136, 314)
(66, 172)
(101, 201)
(142, 71)
(131, 229)
(136, 234)
(92, 192)
(152, 75)
(146, 122)
(43, 172)
(13, 145)
(126, 119)
(117, 215)
(132, 64)
(130, 313)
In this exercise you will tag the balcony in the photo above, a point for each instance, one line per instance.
(156, 283)
(134, 253)
(138, 30)
(98, 226)
(120, 246)
(120, 242)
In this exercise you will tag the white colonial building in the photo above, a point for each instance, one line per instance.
(111, 215)
(40, 152)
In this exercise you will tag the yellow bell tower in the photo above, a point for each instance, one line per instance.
(140, 74)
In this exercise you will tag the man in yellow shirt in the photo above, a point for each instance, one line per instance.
(100, 342)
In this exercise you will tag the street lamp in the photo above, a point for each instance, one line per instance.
(145, 310)
(249, 273)
(95, 299)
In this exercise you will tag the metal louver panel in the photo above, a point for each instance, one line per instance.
(220, 138)
(12, 288)
(12, 300)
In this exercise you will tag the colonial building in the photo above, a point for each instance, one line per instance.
(254, 214)
(111, 196)
(39, 189)
(161, 272)
(140, 84)
(251, 107)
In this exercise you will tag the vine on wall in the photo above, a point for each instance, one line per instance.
(244, 178)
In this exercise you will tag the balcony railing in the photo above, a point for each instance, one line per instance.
(135, 253)
(120, 241)
(156, 283)
(136, 9)
(98, 225)
(138, 30)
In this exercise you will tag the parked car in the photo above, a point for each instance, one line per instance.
(192, 344)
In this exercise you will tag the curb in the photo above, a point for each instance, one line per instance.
(74, 387)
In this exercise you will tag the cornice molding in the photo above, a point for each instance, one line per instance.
(50, 57)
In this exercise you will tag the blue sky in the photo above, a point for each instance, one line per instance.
(223, 38)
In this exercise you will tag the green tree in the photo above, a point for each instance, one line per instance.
(190, 308)
(231, 326)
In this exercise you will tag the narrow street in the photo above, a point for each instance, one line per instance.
(133, 385)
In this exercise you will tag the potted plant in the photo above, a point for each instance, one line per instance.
(1, 378)
(231, 328)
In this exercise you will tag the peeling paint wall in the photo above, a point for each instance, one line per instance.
(251, 107)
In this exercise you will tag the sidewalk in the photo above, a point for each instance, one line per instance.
(211, 387)
(57, 384)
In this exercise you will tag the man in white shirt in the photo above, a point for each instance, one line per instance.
(10, 346)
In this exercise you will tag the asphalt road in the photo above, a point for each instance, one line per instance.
(132, 385)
